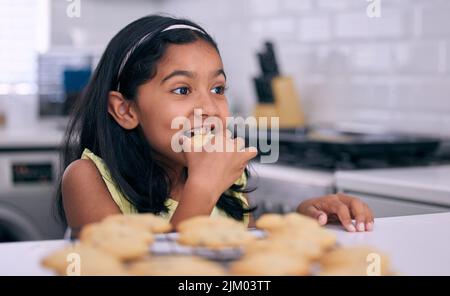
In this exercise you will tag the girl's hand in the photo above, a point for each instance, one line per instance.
(339, 207)
(217, 170)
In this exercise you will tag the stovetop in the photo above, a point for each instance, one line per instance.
(349, 151)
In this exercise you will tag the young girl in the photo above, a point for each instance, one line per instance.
(118, 149)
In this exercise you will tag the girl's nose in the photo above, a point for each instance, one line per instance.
(208, 105)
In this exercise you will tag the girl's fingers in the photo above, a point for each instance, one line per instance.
(240, 143)
(186, 143)
(217, 143)
(249, 153)
(358, 210)
(224, 142)
(345, 218)
(228, 134)
(317, 214)
(368, 215)
(371, 214)
(337, 207)
(369, 219)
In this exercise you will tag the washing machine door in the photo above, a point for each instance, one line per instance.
(16, 225)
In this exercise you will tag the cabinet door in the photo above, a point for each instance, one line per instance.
(390, 207)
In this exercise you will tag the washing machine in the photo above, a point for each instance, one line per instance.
(29, 172)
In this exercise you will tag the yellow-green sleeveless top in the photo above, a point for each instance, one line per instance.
(127, 208)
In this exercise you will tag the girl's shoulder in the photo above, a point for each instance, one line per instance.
(81, 170)
(79, 180)
(82, 186)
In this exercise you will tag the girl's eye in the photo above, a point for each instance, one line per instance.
(219, 90)
(181, 91)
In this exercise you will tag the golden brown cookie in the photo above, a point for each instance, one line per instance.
(213, 232)
(120, 240)
(355, 261)
(149, 222)
(91, 262)
(352, 270)
(304, 249)
(275, 222)
(176, 266)
(208, 223)
(270, 263)
(215, 239)
(321, 236)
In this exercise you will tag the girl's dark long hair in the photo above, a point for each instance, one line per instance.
(127, 153)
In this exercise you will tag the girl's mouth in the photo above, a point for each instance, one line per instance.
(201, 130)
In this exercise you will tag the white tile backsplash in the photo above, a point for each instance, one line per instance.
(435, 20)
(295, 6)
(263, 8)
(281, 27)
(391, 24)
(314, 28)
(392, 71)
(418, 57)
(372, 58)
(334, 5)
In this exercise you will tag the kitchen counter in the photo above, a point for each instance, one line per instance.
(417, 245)
(43, 134)
(421, 184)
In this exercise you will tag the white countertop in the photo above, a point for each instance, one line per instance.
(41, 134)
(417, 245)
(424, 184)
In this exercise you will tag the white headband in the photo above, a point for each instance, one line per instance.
(145, 37)
(182, 26)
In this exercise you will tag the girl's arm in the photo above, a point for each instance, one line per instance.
(196, 199)
(86, 198)
(194, 202)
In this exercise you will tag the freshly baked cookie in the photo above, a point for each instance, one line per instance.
(355, 261)
(318, 235)
(270, 263)
(275, 222)
(149, 222)
(213, 232)
(208, 222)
(299, 248)
(120, 240)
(215, 238)
(176, 266)
(294, 225)
(352, 270)
(91, 261)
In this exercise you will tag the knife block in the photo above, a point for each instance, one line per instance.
(286, 104)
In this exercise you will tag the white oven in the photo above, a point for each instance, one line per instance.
(29, 172)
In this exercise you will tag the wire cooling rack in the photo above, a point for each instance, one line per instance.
(166, 244)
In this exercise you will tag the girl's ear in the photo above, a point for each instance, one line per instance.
(122, 110)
